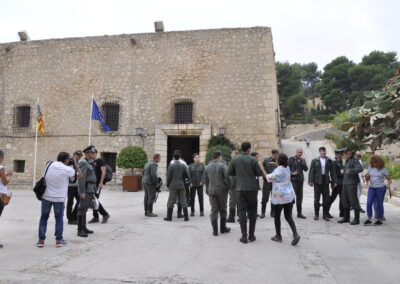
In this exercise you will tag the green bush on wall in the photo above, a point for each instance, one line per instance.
(226, 153)
(131, 157)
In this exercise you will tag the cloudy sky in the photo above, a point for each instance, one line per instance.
(303, 31)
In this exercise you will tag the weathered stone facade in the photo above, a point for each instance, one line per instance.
(228, 74)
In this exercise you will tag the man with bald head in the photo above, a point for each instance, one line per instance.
(298, 165)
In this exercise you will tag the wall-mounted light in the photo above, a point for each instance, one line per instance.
(140, 132)
(222, 130)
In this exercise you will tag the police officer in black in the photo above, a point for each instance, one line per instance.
(298, 165)
(196, 171)
(337, 172)
(269, 165)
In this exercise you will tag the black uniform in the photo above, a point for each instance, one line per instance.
(298, 165)
(267, 186)
(196, 171)
(98, 164)
(337, 167)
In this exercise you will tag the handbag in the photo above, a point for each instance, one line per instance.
(40, 186)
(5, 198)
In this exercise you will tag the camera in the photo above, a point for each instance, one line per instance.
(71, 161)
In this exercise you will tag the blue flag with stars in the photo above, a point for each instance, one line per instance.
(96, 115)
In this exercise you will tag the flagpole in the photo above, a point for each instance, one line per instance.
(90, 117)
(36, 143)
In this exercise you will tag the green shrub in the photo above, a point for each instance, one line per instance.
(226, 153)
(342, 141)
(220, 140)
(131, 157)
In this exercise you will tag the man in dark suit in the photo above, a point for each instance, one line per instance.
(298, 165)
(320, 176)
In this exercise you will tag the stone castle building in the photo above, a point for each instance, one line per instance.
(162, 91)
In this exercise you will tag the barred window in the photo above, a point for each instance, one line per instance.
(183, 112)
(111, 115)
(19, 166)
(22, 117)
(110, 159)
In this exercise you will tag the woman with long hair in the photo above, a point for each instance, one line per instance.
(377, 173)
(283, 198)
(5, 178)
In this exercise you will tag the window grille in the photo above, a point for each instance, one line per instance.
(183, 112)
(22, 118)
(110, 159)
(111, 115)
(19, 166)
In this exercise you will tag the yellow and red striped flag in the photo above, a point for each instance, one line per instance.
(40, 124)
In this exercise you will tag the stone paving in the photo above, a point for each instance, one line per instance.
(134, 249)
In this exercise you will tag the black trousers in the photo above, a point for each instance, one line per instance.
(84, 204)
(200, 195)
(247, 206)
(337, 191)
(287, 211)
(298, 189)
(72, 214)
(101, 210)
(1, 208)
(321, 189)
(350, 197)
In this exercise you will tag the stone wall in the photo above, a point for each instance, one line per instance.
(228, 74)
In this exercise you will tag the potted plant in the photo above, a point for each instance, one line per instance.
(134, 158)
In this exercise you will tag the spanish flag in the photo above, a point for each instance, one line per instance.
(40, 124)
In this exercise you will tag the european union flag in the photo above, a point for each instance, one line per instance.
(96, 115)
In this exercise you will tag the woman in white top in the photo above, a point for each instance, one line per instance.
(283, 197)
(4, 180)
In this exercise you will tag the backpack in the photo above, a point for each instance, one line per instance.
(109, 174)
(40, 186)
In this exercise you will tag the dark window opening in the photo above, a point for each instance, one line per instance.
(111, 115)
(183, 112)
(19, 166)
(22, 118)
(110, 159)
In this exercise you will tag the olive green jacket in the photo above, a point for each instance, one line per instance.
(87, 183)
(351, 169)
(176, 175)
(246, 169)
(216, 178)
(150, 173)
(196, 172)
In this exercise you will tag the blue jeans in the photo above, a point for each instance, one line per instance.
(58, 214)
(376, 195)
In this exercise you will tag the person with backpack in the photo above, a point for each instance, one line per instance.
(56, 178)
(100, 168)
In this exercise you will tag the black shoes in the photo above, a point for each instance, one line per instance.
(329, 216)
(343, 220)
(185, 214)
(378, 222)
(151, 214)
(94, 220)
(367, 222)
(105, 218)
(355, 222)
(231, 218)
(262, 216)
(81, 233)
(223, 228)
(296, 239)
(316, 217)
(326, 218)
(301, 216)
(252, 238)
(243, 239)
(192, 214)
(201, 213)
(277, 238)
(215, 227)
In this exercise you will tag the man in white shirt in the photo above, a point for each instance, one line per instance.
(57, 179)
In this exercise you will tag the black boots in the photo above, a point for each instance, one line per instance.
(85, 229)
(185, 214)
(145, 209)
(325, 212)
(300, 212)
(224, 229)
(81, 232)
(252, 227)
(215, 227)
(243, 226)
(231, 218)
(346, 216)
(150, 211)
(263, 208)
(356, 220)
(169, 214)
(316, 212)
(179, 211)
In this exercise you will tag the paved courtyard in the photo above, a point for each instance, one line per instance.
(132, 248)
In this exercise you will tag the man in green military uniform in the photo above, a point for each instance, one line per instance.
(196, 171)
(217, 186)
(176, 175)
(86, 188)
(246, 169)
(150, 183)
